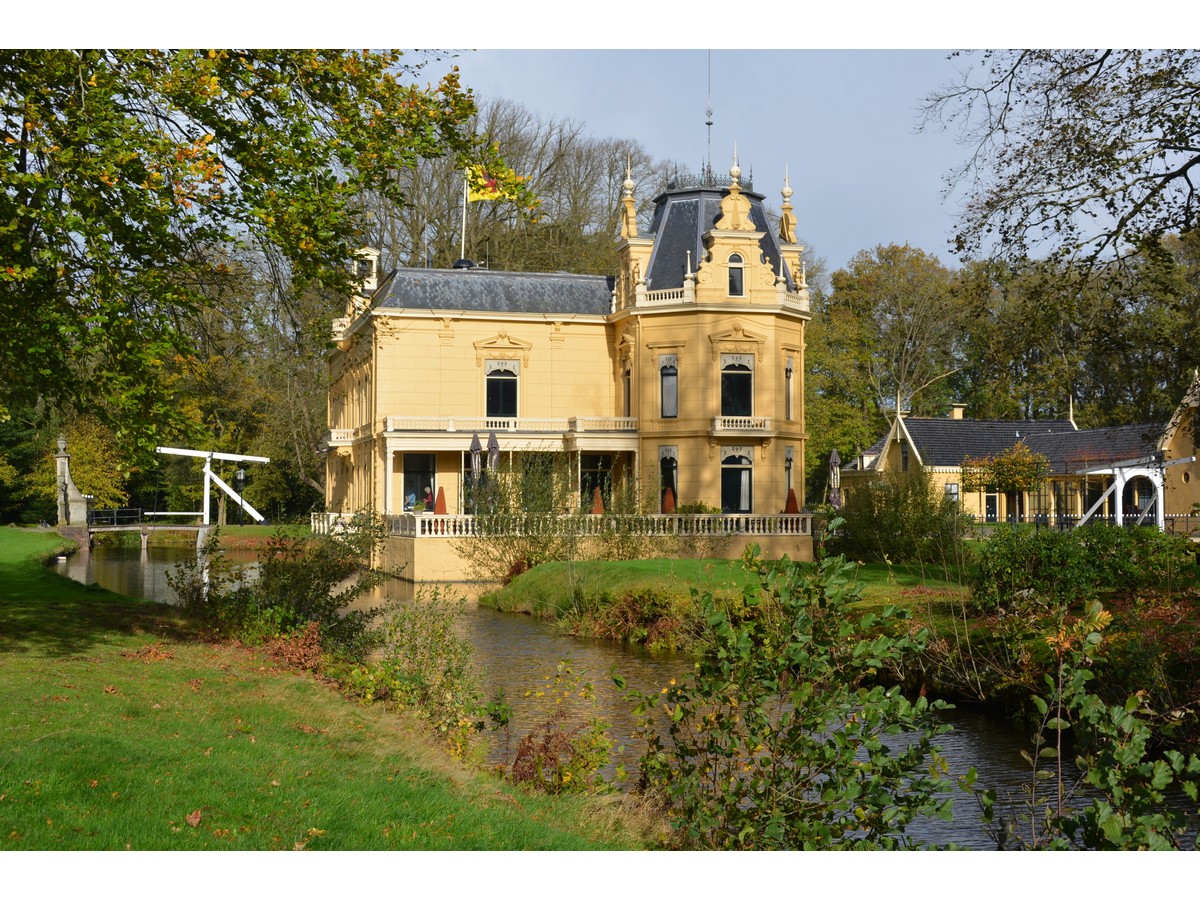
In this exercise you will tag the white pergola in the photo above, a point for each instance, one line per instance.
(211, 477)
(1149, 467)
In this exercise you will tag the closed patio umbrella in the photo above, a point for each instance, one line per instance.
(493, 447)
(476, 458)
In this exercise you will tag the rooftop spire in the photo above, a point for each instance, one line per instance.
(708, 116)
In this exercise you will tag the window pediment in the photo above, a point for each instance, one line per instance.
(737, 340)
(502, 346)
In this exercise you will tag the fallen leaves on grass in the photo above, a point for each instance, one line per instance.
(193, 818)
(148, 654)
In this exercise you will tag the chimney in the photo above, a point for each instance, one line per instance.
(956, 410)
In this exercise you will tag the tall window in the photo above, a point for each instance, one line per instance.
(736, 480)
(668, 371)
(419, 471)
(668, 468)
(737, 280)
(627, 391)
(502, 378)
(788, 371)
(595, 471)
(737, 384)
(903, 457)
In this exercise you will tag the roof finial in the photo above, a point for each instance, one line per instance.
(735, 171)
(708, 114)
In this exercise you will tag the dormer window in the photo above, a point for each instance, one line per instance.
(365, 267)
(737, 276)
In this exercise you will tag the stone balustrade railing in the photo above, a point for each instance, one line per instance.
(485, 424)
(426, 525)
(741, 423)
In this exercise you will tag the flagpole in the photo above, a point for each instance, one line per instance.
(462, 252)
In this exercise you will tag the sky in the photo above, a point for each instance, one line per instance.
(793, 87)
(841, 123)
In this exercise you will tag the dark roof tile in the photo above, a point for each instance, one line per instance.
(486, 290)
(946, 442)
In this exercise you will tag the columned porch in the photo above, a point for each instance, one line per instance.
(450, 453)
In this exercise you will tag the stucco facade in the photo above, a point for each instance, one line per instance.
(683, 370)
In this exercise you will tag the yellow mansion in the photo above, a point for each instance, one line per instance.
(682, 376)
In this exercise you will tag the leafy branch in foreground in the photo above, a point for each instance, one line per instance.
(783, 739)
(1117, 795)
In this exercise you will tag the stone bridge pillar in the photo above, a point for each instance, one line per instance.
(72, 504)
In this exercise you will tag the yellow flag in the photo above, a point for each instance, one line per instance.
(482, 185)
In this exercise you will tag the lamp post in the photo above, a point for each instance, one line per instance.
(240, 475)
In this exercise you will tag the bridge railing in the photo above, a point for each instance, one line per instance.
(115, 517)
(132, 518)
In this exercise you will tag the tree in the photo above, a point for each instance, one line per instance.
(1025, 332)
(893, 312)
(99, 468)
(578, 181)
(123, 170)
(1080, 153)
(839, 405)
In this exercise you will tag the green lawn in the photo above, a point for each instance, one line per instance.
(124, 728)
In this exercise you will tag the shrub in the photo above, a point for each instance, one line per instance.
(569, 751)
(426, 667)
(302, 578)
(778, 740)
(1117, 799)
(1065, 566)
(901, 518)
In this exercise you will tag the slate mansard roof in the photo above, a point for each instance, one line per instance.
(681, 217)
(484, 290)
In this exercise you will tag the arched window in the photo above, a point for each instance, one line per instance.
(668, 469)
(502, 379)
(736, 480)
(737, 281)
(737, 384)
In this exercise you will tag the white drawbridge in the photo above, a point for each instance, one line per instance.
(211, 477)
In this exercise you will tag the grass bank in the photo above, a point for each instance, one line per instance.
(644, 601)
(125, 728)
(649, 601)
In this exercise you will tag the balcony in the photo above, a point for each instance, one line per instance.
(742, 426)
(344, 437)
(510, 425)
